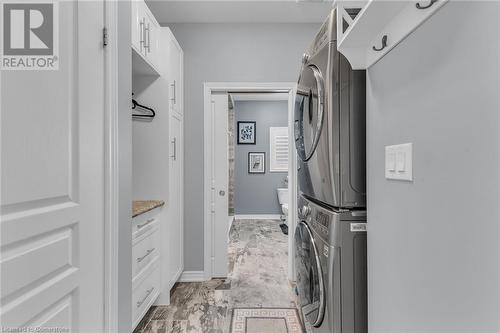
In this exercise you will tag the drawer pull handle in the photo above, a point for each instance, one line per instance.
(384, 44)
(142, 40)
(149, 39)
(140, 226)
(148, 252)
(174, 142)
(148, 292)
(419, 6)
(174, 92)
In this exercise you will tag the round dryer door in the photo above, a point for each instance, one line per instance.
(309, 276)
(309, 111)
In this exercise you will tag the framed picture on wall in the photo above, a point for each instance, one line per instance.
(246, 132)
(257, 162)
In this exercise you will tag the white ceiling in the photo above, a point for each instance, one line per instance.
(239, 11)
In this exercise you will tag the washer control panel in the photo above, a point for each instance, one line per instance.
(316, 217)
(321, 222)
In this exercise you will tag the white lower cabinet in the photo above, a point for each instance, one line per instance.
(146, 291)
(176, 228)
(146, 263)
(144, 249)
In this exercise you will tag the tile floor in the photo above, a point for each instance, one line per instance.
(257, 278)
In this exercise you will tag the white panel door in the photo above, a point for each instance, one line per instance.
(175, 224)
(220, 164)
(52, 169)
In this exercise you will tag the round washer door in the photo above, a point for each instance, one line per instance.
(309, 111)
(309, 276)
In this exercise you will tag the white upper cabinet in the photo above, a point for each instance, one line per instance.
(145, 40)
(175, 74)
(367, 30)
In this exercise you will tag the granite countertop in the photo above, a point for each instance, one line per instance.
(142, 206)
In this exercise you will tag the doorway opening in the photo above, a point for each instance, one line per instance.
(258, 155)
(250, 165)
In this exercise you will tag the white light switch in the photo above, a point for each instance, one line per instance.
(391, 162)
(398, 162)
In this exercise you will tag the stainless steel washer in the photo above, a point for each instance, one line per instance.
(330, 263)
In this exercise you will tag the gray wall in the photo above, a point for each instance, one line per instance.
(221, 53)
(256, 193)
(433, 244)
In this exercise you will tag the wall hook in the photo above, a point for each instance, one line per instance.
(384, 44)
(419, 6)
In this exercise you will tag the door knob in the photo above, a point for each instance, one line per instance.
(222, 193)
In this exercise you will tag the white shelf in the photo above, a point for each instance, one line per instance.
(378, 18)
(141, 66)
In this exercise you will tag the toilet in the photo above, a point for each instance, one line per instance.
(283, 200)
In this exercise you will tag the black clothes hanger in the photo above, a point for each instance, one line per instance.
(142, 115)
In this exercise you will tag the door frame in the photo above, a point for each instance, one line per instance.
(214, 87)
(111, 168)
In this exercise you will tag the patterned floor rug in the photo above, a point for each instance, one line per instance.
(265, 320)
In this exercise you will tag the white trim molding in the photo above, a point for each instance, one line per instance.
(192, 276)
(288, 88)
(257, 217)
(111, 204)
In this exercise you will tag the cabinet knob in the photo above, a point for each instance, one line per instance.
(222, 193)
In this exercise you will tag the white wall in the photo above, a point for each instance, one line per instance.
(221, 53)
(434, 244)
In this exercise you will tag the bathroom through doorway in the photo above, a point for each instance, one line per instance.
(250, 165)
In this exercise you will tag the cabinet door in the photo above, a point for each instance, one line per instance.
(137, 25)
(176, 228)
(151, 39)
(175, 76)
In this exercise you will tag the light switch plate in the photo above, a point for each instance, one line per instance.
(398, 162)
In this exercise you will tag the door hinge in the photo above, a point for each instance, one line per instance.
(104, 36)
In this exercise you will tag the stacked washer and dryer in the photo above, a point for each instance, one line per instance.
(330, 238)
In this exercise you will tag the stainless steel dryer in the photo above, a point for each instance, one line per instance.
(330, 124)
(330, 263)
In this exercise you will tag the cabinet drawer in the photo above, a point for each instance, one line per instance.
(144, 249)
(143, 223)
(145, 294)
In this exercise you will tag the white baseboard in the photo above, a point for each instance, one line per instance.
(192, 276)
(258, 217)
